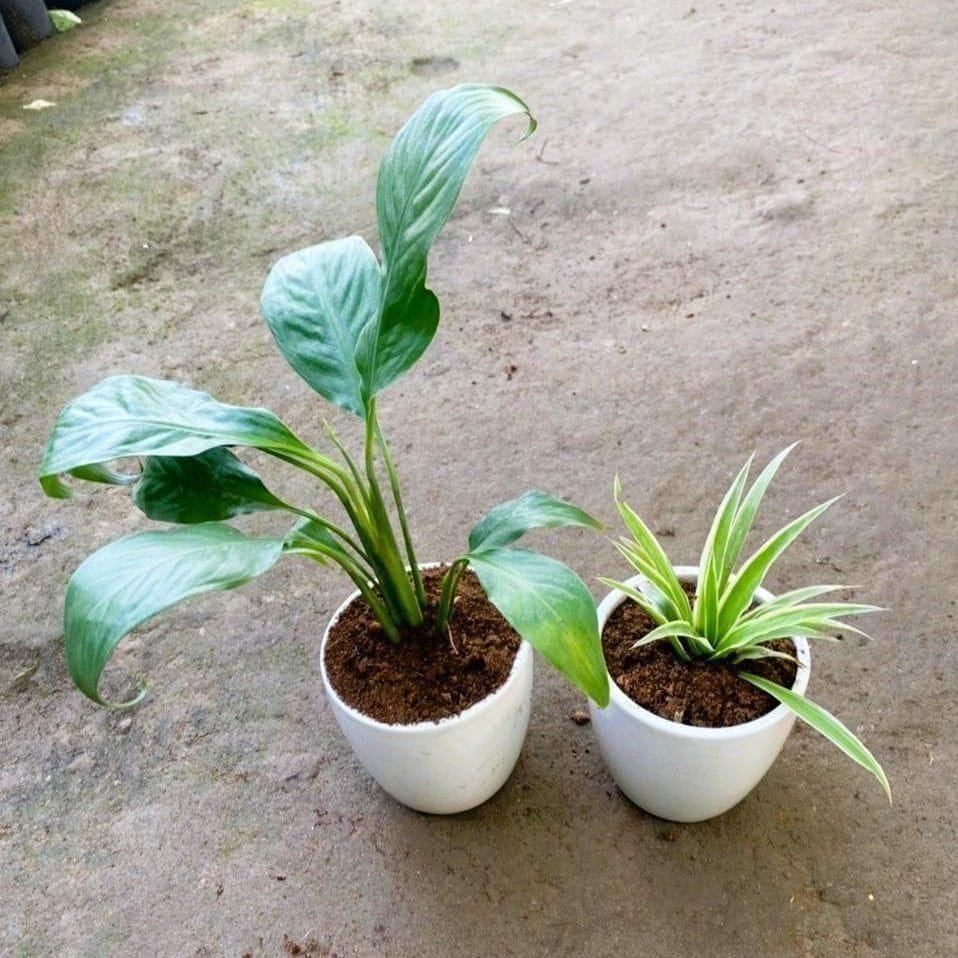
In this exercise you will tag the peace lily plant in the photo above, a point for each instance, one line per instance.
(350, 324)
(731, 619)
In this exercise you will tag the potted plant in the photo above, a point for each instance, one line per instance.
(423, 665)
(709, 669)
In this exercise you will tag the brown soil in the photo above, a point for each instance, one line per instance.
(709, 695)
(427, 676)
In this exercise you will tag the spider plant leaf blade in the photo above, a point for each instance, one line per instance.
(826, 724)
(793, 597)
(738, 595)
(713, 572)
(668, 582)
(745, 515)
(761, 652)
(638, 597)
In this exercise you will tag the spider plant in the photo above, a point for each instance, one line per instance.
(349, 323)
(721, 623)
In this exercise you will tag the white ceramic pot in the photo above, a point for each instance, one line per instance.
(447, 766)
(680, 772)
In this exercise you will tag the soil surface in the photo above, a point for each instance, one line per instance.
(429, 675)
(734, 228)
(707, 694)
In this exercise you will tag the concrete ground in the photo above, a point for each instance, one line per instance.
(735, 228)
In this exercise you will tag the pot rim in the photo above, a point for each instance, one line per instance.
(523, 657)
(689, 573)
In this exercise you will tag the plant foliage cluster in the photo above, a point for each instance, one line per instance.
(350, 324)
(722, 621)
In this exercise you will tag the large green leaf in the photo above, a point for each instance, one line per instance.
(533, 510)
(211, 486)
(825, 723)
(136, 416)
(419, 181)
(128, 581)
(551, 608)
(317, 302)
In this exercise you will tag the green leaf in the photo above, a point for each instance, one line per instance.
(780, 619)
(534, 510)
(825, 723)
(791, 598)
(135, 416)
(128, 581)
(761, 652)
(812, 629)
(64, 20)
(668, 630)
(658, 589)
(313, 536)
(665, 578)
(100, 472)
(640, 599)
(419, 182)
(551, 608)
(211, 486)
(308, 533)
(713, 571)
(738, 595)
(749, 507)
(317, 303)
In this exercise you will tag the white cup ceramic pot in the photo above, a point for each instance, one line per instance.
(447, 766)
(681, 772)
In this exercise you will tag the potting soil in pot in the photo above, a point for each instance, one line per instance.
(428, 676)
(709, 695)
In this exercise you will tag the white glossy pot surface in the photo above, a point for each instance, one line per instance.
(680, 772)
(447, 766)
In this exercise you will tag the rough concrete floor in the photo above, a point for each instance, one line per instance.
(734, 229)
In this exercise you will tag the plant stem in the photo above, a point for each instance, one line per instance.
(398, 579)
(400, 509)
(337, 531)
(354, 501)
(450, 583)
(362, 583)
(348, 459)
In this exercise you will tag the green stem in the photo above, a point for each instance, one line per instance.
(348, 459)
(361, 582)
(400, 509)
(398, 577)
(450, 583)
(337, 531)
(354, 501)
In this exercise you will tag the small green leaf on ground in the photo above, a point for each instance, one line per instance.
(64, 20)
